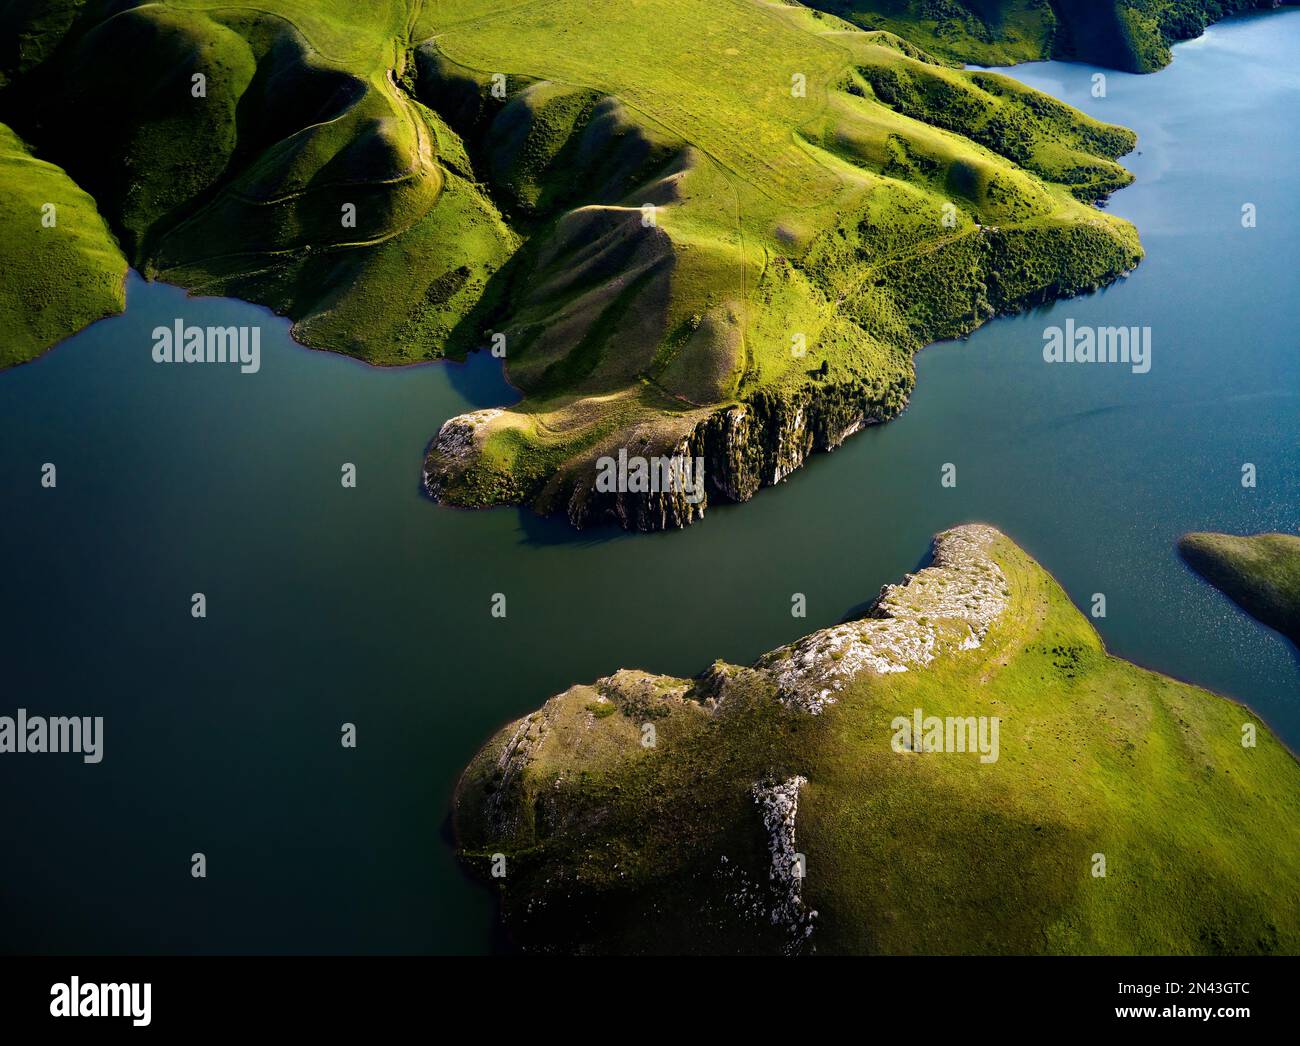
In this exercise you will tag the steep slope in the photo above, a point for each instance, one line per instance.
(1260, 573)
(62, 268)
(1055, 799)
(274, 155)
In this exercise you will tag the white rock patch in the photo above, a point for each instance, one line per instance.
(515, 755)
(456, 446)
(910, 625)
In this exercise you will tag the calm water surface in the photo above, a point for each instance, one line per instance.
(371, 605)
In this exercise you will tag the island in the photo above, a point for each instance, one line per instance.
(965, 769)
(1260, 573)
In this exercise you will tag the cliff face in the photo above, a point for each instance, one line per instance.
(759, 441)
(874, 786)
(743, 448)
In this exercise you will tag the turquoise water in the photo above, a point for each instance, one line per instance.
(371, 605)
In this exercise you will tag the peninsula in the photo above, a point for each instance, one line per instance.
(963, 770)
(713, 230)
(727, 249)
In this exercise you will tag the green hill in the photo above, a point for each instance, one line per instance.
(1132, 35)
(730, 248)
(272, 154)
(611, 838)
(62, 268)
(1260, 573)
(809, 234)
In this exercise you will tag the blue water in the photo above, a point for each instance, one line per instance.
(371, 605)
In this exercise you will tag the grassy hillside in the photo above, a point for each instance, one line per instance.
(62, 268)
(1260, 573)
(734, 244)
(273, 154)
(1133, 35)
(610, 845)
(809, 233)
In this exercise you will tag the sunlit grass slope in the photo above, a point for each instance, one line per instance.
(669, 209)
(60, 268)
(1261, 573)
(613, 845)
(795, 206)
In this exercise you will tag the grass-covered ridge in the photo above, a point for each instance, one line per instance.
(723, 226)
(1133, 35)
(1260, 573)
(809, 235)
(271, 153)
(612, 845)
(61, 266)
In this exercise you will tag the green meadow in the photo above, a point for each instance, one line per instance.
(272, 154)
(614, 846)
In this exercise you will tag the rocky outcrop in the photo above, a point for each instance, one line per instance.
(779, 805)
(456, 447)
(525, 739)
(742, 447)
(760, 442)
(667, 509)
(949, 605)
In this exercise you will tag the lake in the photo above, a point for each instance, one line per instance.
(370, 606)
